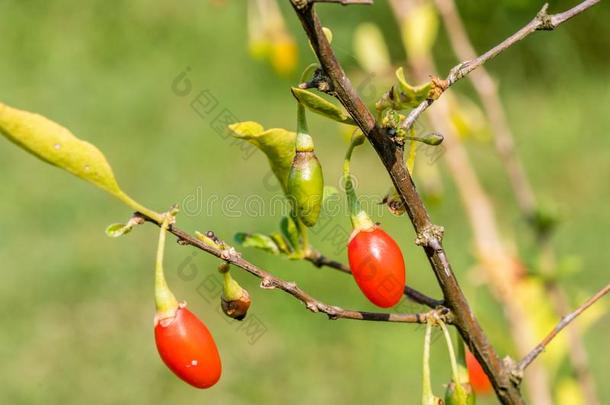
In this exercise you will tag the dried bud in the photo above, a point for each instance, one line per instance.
(235, 300)
(236, 309)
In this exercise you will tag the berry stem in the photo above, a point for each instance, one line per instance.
(454, 367)
(427, 395)
(360, 219)
(304, 141)
(303, 234)
(165, 302)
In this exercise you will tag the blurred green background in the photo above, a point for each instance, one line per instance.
(76, 307)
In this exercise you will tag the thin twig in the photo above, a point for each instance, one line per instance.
(269, 281)
(320, 260)
(565, 321)
(542, 21)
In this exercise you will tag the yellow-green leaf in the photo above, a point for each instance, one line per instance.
(57, 146)
(257, 240)
(321, 106)
(411, 96)
(116, 230)
(276, 143)
(281, 242)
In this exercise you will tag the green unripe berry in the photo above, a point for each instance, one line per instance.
(306, 182)
(457, 396)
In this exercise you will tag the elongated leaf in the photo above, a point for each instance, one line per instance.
(281, 242)
(57, 146)
(257, 240)
(276, 143)
(322, 106)
(116, 230)
(411, 95)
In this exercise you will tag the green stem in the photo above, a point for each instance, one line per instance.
(460, 391)
(454, 367)
(165, 301)
(303, 235)
(303, 141)
(136, 206)
(360, 219)
(427, 395)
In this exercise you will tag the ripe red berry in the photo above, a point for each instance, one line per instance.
(478, 379)
(188, 349)
(377, 265)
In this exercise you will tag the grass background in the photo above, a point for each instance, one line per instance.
(76, 307)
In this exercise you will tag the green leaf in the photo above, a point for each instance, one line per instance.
(276, 143)
(257, 240)
(57, 146)
(116, 230)
(291, 232)
(411, 96)
(321, 106)
(281, 242)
